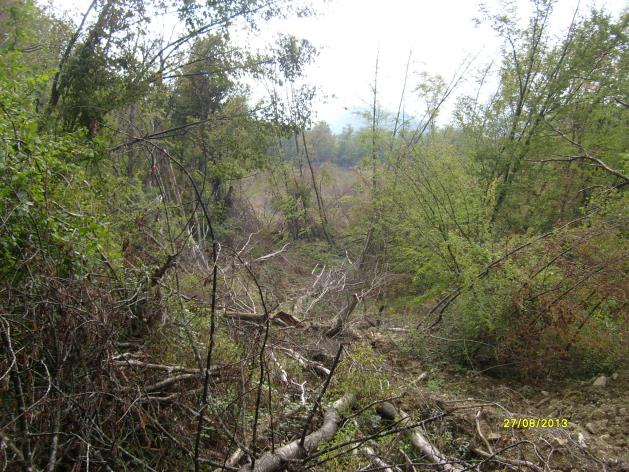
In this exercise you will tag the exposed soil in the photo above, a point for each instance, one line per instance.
(596, 436)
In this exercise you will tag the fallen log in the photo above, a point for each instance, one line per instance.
(280, 318)
(431, 452)
(275, 461)
(419, 441)
(375, 460)
(237, 456)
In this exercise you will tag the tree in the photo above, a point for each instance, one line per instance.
(550, 106)
(322, 142)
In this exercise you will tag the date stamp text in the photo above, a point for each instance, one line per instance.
(522, 423)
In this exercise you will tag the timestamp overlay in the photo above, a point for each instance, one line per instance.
(532, 422)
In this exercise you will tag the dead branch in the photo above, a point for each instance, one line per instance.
(480, 431)
(343, 316)
(23, 424)
(54, 442)
(170, 381)
(282, 372)
(273, 254)
(16, 450)
(586, 156)
(307, 363)
(515, 462)
(409, 462)
(320, 397)
(160, 271)
(179, 378)
(167, 368)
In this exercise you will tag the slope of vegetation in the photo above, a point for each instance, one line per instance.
(193, 280)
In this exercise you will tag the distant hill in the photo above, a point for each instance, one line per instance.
(354, 117)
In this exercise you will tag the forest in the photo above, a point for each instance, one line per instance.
(198, 273)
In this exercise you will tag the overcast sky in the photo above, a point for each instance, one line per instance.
(441, 34)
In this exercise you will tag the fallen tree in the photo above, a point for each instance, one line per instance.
(275, 461)
(238, 455)
(280, 318)
(420, 442)
(375, 459)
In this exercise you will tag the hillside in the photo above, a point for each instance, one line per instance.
(192, 278)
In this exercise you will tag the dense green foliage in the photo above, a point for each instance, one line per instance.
(117, 151)
(543, 165)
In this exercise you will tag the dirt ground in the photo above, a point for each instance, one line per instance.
(596, 436)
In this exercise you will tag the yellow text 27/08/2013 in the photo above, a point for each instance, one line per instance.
(535, 423)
